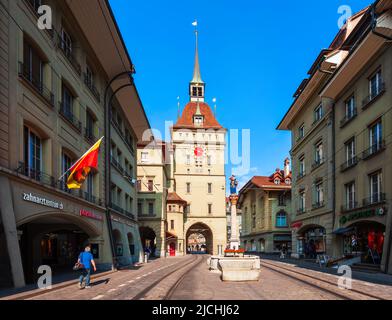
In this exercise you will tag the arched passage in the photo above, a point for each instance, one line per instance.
(53, 239)
(199, 239)
(118, 243)
(148, 238)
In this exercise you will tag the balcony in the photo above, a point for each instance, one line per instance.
(317, 163)
(348, 117)
(91, 87)
(70, 117)
(26, 74)
(117, 165)
(300, 210)
(88, 134)
(129, 214)
(67, 51)
(36, 175)
(352, 205)
(352, 162)
(373, 96)
(318, 204)
(376, 198)
(373, 150)
(90, 198)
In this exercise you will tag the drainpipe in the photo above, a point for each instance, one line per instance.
(373, 23)
(333, 167)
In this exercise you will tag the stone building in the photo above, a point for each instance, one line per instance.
(153, 179)
(51, 111)
(311, 122)
(361, 91)
(265, 203)
(345, 104)
(198, 170)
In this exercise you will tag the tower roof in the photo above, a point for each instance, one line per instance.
(196, 69)
(186, 119)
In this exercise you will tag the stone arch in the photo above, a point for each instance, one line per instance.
(204, 231)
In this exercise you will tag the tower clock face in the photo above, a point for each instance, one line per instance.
(198, 151)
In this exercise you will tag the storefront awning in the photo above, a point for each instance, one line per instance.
(282, 237)
(343, 230)
(170, 236)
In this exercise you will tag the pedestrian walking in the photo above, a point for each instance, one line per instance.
(85, 262)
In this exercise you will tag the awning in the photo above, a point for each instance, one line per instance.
(343, 230)
(282, 237)
(170, 236)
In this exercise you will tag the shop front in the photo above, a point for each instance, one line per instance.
(282, 242)
(53, 229)
(311, 241)
(362, 234)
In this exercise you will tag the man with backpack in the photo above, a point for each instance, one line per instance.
(85, 261)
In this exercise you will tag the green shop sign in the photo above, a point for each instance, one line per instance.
(362, 214)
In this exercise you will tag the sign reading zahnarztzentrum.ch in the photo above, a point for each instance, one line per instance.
(45, 202)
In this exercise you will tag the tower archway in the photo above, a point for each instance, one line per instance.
(199, 239)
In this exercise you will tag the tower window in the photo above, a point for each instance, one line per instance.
(199, 91)
(198, 120)
(194, 91)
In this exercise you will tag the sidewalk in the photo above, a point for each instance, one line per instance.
(59, 281)
(376, 278)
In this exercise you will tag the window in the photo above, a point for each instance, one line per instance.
(375, 85)
(66, 163)
(89, 77)
(188, 159)
(318, 113)
(301, 204)
(67, 102)
(350, 195)
(32, 154)
(35, 4)
(319, 195)
(188, 187)
(253, 220)
(150, 185)
(199, 91)
(282, 200)
(151, 208)
(188, 209)
(350, 108)
(318, 157)
(33, 66)
(139, 185)
(277, 181)
(89, 125)
(198, 120)
(210, 188)
(210, 208)
(350, 152)
(375, 187)
(172, 224)
(66, 43)
(301, 131)
(375, 136)
(208, 160)
(194, 91)
(281, 219)
(144, 156)
(302, 166)
(119, 200)
(140, 208)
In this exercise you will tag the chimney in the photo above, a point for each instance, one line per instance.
(286, 167)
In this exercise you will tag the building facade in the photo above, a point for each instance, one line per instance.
(361, 93)
(153, 178)
(350, 82)
(265, 203)
(52, 110)
(199, 170)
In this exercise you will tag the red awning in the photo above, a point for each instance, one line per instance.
(170, 236)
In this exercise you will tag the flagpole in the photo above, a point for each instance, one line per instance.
(79, 159)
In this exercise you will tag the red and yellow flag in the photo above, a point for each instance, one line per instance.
(81, 168)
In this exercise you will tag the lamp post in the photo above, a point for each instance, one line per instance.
(107, 118)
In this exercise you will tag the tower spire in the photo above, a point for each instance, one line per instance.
(196, 86)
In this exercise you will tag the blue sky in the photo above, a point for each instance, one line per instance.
(253, 55)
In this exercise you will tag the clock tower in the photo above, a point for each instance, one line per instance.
(198, 171)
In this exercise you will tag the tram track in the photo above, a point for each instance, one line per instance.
(323, 284)
(143, 294)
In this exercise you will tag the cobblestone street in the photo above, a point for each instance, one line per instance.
(188, 278)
